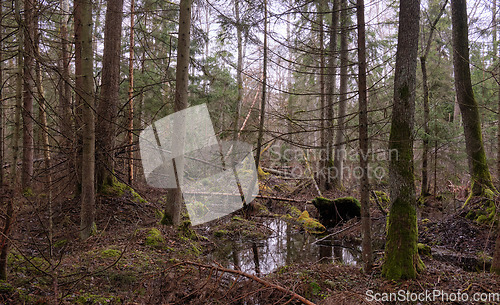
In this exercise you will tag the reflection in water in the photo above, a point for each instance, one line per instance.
(285, 246)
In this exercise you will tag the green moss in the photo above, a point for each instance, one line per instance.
(262, 174)
(401, 253)
(28, 192)
(310, 224)
(197, 209)
(261, 209)
(293, 210)
(6, 287)
(221, 233)
(424, 249)
(60, 243)
(154, 238)
(119, 189)
(186, 230)
(111, 253)
(382, 196)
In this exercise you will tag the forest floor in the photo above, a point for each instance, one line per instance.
(132, 259)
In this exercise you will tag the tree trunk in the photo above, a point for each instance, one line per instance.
(324, 163)
(264, 90)
(6, 195)
(339, 155)
(64, 87)
(331, 81)
(495, 263)
(401, 256)
(42, 103)
(130, 132)
(239, 70)
(172, 213)
(107, 108)
(363, 141)
(480, 174)
(28, 87)
(19, 95)
(2, 140)
(497, 73)
(424, 191)
(84, 89)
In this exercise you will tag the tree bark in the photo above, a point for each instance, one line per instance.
(2, 140)
(110, 87)
(480, 174)
(28, 88)
(172, 213)
(84, 89)
(339, 155)
(424, 190)
(19, 95)
(239, 70)
(264, 92)
(130, 132)
(495, 263)
(401, 255)
(64, 87)
(363, 140)
(331, 177)
(324, 161)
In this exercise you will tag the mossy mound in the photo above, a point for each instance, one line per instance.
(118, 189)
(111, 253)
(424, 249)
(481, 209)
(154, 238)
(334, 211)
(310, 224)
(241, 228)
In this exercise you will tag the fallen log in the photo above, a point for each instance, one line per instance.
(238, 195)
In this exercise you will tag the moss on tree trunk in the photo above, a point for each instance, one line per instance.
(401, 254)
(478, 166)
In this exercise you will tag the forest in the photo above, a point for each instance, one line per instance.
(249, 152)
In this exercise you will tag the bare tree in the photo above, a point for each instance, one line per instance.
(107, 108)
(28, 88)
(424, 191)
(172, 213)
(264, 90)
(84, 89)
(363, 140)
(339, 155)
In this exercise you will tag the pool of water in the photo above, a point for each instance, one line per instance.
(284, 246)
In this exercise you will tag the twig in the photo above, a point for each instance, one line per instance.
(337, 232)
